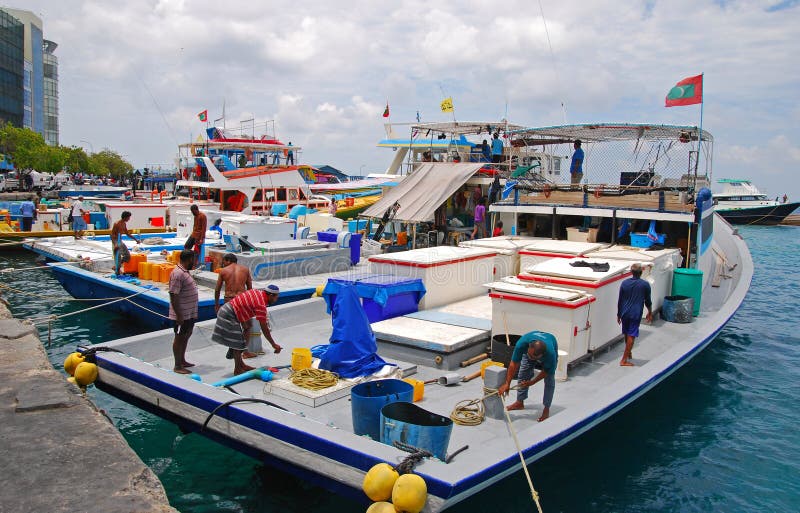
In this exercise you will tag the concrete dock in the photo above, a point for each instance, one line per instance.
(59, 452)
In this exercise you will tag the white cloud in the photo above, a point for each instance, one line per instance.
(323, 70)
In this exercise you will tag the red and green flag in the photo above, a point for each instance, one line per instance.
(386, 111)
(203, 116)
(688, 91)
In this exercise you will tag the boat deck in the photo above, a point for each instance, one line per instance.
(319, 440)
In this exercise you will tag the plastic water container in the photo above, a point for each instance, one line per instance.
(489, 363)
(367, 399)
(688, 282)
(419, 388)
(301, 358)
(408, 423)
(343, 239)
(677, 309)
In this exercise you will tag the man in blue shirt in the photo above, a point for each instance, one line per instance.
(28, 211)
(497, 149)
(633, 294)
(530, 348)
(576, 168)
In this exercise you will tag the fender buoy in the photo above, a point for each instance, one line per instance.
(546, 191)
(198, 170)
(186, 174)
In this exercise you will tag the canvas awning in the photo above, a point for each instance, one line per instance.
(423, 191)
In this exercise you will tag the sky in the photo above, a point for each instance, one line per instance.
(133, 75)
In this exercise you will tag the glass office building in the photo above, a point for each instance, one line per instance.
(28, 74)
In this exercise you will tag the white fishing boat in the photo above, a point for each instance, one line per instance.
(464, 312)
(740, 202)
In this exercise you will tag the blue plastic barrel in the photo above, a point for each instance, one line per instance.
(408, 423)
(367, 399)
(688, 282)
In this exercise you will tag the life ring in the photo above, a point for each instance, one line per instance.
(546, 191)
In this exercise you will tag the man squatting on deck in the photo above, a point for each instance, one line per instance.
(182, 309)
(633, 294)
(530, 348)
(236, 279)
(233, 323)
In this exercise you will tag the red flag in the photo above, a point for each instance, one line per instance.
(688, 91)
(386, 112)
(203, 116)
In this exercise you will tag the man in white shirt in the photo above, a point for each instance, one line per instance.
(78, 223)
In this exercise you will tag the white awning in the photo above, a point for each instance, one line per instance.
(423, 191)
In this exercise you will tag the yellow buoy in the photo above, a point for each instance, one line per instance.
(71, 361)
(381, 507)
(379, 482)
(409, 493)
(85, 373)
(319, 290)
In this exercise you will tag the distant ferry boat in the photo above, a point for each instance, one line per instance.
(740, 202)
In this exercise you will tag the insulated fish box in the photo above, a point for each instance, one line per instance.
(542, 250)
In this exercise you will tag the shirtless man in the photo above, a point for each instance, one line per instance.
(236, 279)
(198, 237)
(119, 229)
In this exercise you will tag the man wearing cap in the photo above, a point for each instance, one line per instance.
(533, 347)
(233, 323)
(78, 222)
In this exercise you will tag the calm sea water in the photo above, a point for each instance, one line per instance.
(719, 435)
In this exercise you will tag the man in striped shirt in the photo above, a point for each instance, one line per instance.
(233, 323)
(182, 309)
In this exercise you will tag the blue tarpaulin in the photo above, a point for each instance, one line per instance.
(377, 287)
(352, 351)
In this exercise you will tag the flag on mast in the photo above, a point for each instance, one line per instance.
(203, 116)
(447, 104)
(688, 91)
(386, 111)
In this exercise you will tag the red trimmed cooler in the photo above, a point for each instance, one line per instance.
(448, 273)
(542, 250)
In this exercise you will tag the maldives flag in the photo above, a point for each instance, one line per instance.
(386, 111)
(203, 116)
(686, 92)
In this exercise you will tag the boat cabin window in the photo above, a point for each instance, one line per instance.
(281, 194)
(264, 195)
(293, 194)
(302, 195)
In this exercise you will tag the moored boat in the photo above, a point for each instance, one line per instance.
(740, 202)
(466, 308)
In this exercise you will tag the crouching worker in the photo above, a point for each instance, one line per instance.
(233, 323)
(535, 346)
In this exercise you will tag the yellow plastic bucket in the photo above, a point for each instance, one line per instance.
(301, 358)
(489, 363)
(419, 388)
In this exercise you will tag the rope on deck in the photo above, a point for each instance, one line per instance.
(314, 379)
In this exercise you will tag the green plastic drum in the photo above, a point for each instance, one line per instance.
(688, 282)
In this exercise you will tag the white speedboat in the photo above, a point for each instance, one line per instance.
(740, 202)
(467, 310)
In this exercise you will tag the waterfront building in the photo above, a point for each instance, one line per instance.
(28, 74)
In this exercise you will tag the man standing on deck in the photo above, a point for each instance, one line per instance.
(119, 229)
(497, 149)
(78, 222)
(535, 346)
(28, 211)
(182, 309)
(233, 323)
(633, 294)
(576, 167)
(198, 236)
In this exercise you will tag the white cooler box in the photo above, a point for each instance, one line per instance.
(507, 247)
(604, 286)
(542, 250)
(449, 273)
(562, 312)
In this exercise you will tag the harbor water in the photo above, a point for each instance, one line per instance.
(718, 435)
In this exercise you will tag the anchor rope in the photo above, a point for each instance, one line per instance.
(314, 379)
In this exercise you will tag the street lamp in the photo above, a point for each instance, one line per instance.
(91, 148)
(360, 172)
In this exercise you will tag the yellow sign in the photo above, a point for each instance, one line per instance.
(447, 105)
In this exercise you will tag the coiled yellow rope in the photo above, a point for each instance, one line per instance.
(314, 379)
